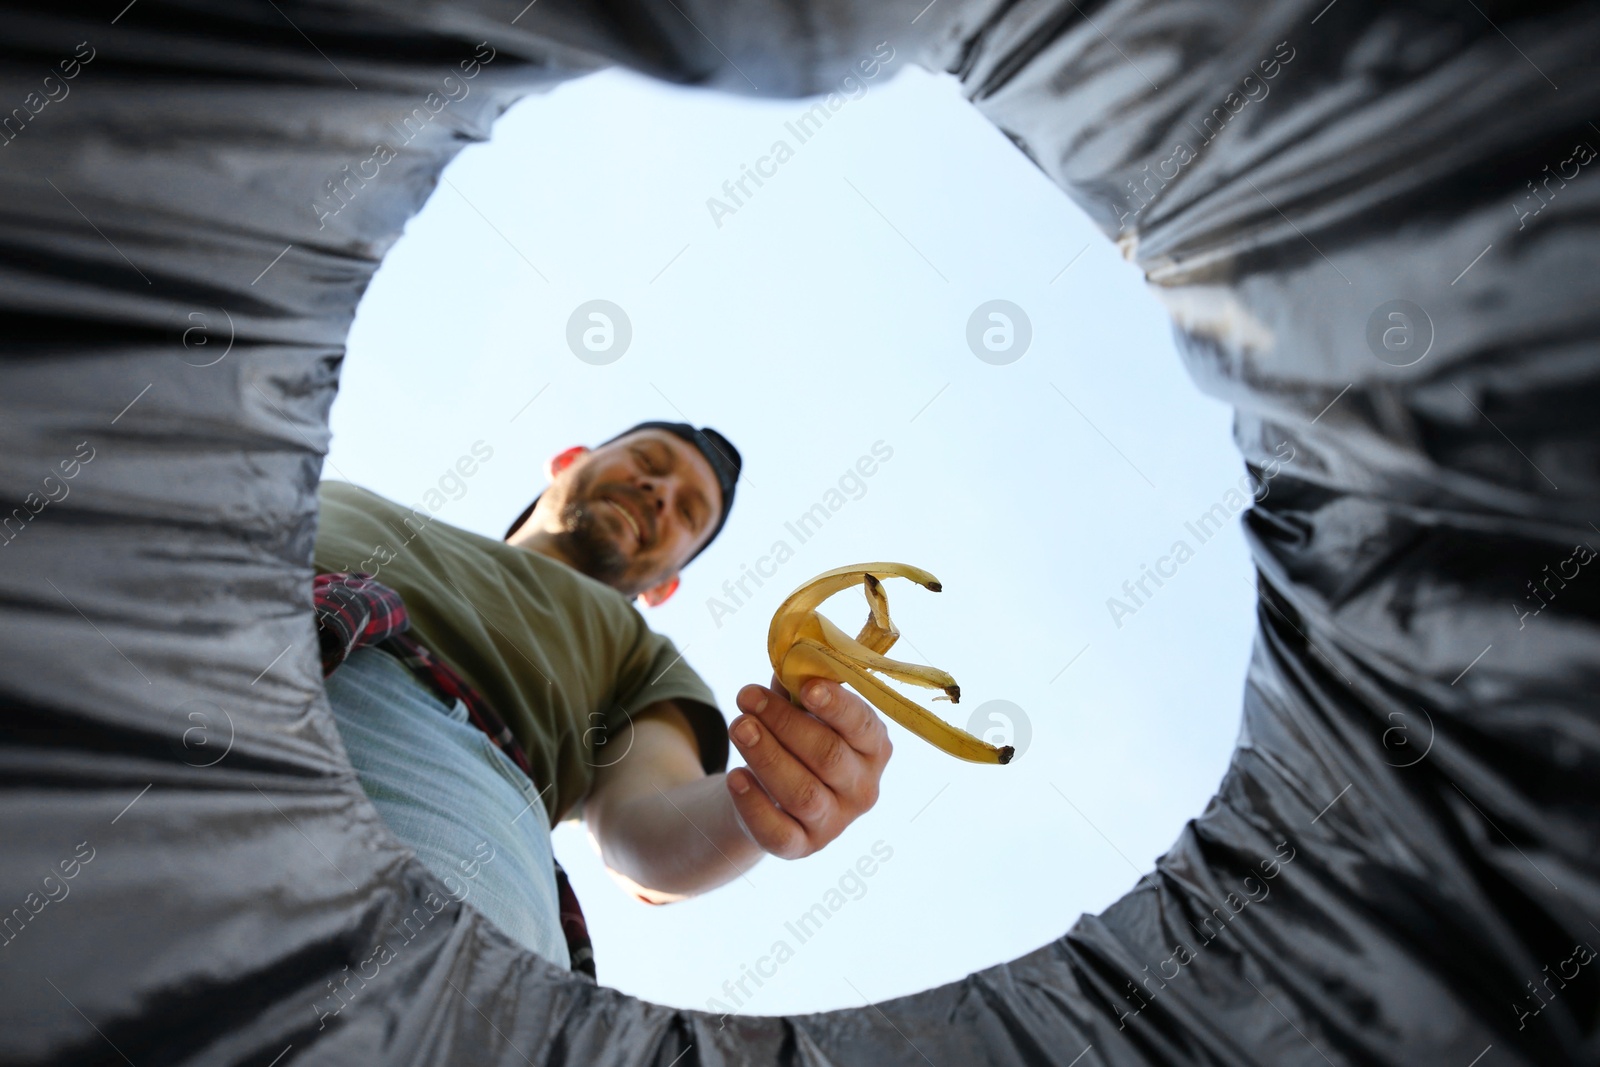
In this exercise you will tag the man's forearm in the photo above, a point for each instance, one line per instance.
(671, 831)
(680, 841)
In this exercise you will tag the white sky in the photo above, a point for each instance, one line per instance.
(813, 323)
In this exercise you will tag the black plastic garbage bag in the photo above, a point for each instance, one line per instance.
(1374, 225)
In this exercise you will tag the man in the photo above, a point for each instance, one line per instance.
(608, 721)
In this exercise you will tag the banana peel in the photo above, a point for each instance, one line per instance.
(802, 643)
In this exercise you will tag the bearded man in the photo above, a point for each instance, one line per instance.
(486, 690)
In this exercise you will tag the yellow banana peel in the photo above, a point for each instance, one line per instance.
(802, 643)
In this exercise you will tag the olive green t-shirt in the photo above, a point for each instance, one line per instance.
(565, 660)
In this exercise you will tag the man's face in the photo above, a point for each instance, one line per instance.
(632, 512)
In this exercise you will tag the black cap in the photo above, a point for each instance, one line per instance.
(718, 450)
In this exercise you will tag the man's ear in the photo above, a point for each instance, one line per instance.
(562, 460)
(657, 595)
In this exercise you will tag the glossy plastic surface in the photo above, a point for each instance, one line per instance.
(1404, 850)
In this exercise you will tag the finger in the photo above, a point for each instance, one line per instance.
(851, 718)
(813, 741)
(777, 687)
(797, 790)
(773, 829)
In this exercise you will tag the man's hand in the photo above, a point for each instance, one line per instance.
(667, 830)
(811, 770)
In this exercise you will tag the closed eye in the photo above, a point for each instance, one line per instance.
(651, 464)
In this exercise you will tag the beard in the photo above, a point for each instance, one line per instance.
(586, 542)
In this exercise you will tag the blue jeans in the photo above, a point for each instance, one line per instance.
(446, 790)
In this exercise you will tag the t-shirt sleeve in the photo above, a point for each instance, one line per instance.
(656, 672)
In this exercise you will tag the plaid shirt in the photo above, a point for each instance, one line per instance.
(355, 610)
